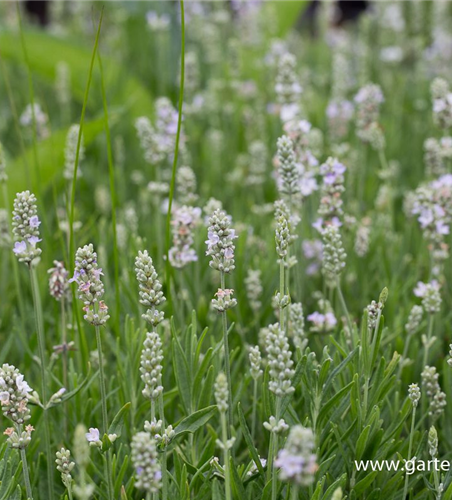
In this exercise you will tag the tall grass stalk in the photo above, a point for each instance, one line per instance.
(227, 361)
(23, 457)
(227, 472)
(103, 394)
(42, 364)
(410, 448)
(176, 147)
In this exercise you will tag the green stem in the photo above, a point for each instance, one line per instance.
(227, 477)
(23, 457)
(294, 492)
(227, 364)
(42, 363)
(64, 355)
(275, 451)
(281, 292)
(410, 448)
(344, 308)
(254, 414)
(103, 395)
(431, 317)
(164, 453)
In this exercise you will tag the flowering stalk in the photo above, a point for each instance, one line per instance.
(91, 290)
(415, 395)
(222, 398)
(14, 395)
(220, 246)
(151, 296)
(256, 373)
(25, 227)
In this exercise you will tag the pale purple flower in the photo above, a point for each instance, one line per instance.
(33, 240)
(93, 435)
(34, 221)
(19, 247)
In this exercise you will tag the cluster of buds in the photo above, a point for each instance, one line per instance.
(374, 310)
(297, 461)
(414, 394)
(334, 255)
(59, 281)
(442, 103)
(224, 300)
(287, 88)
(288, 169)
(434, 158)
(432, 203)
(368, 101)
(151, 294)
(220, 242)
(162, 436)
(276, 426)
(296, 325)
(5, 236)
(279, 361)
(151, 366)
(431, 298)
(255, 362)
(414, 320)
(148, 474)
(332, 172)
(433, 391)
(70, 152)
(14, 398)
(64, 466)
(148, 140)
(25, 226)
(90, 287)
(184, 221)
(221, 398)
(362, 239)
(284, 233)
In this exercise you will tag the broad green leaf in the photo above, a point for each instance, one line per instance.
(249, 440)
(118, 421)
(194, 421)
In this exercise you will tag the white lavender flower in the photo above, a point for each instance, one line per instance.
(148, 140)
(14, 394)
(186, 186)
(414, 394)
(25, 226)
(276, 426)
(339, 113)
(284, 231)
(414, 319)
(220, 242)
(433, 158)
(224, 300)
(279, 361)
(297, 461)
(431, 298)
(41, 119)
(288, 169)
(59, 281)
(151, 294)
(362, 239)
(373, 311)
(87, 275)
(80, 446)
(148, 474)
(64, 466)
(296, 325)
(151, 366)
(287, 88)
(333, 253)
(368, 101)
(254, 289)
(93, 437)
(255, 362)
(332, 172)
(184, 221)
(442, 103)
(437, 398)
(70, 152)
(221, 393)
